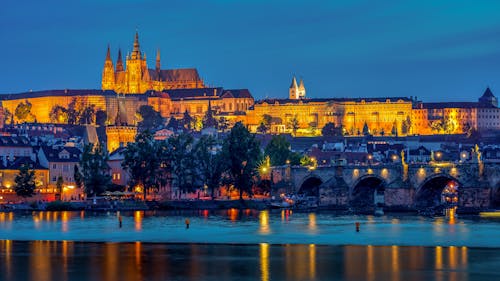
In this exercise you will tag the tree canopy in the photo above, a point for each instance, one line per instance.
(151, 119)
(278, 150)
(25, 182)
(95, 169)
(242, 153)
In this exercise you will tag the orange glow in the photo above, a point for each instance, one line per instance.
(312, 222)
(264, 262)
(312, 261)
(138, 215)
(264, 222)
(233, 214)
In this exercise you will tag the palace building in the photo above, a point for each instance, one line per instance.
(173, 92)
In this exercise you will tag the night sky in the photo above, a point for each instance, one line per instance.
(437, 50)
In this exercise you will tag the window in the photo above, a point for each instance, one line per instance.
(54, 166)
(65, 168)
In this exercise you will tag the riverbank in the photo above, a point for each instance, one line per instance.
(255, 204)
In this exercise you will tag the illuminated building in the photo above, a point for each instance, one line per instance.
(136, 77)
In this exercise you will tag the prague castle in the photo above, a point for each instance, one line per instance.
(173, 92)
(136, 77)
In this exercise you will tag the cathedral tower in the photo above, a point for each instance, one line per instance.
(302, 90)
(137, 74)
(108, 73)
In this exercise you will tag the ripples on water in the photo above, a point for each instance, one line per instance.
(53, 261)
(249, 245)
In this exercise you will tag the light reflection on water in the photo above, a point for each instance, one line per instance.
(48, 260)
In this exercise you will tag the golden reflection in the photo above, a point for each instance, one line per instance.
(439, 258)
(138, 250)
(64, 220)
(110, 266)
(10, 217)
(312, 222)
(82, 214)
(395, 262)
(438, 225)
(452, 256)
(463, 256)
(312, 261)
(2, 217)
(40, 250)
(264, 222)
(370, 267)
(6, 248)
(138, 220)
(282, 215)
(233, 214)
(264, 261)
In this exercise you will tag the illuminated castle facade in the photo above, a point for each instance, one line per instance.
(173, 92)
(135, 77)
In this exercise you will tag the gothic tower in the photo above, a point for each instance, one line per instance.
(302, 90)
(294, 90)
(108, 73)
(137, 74)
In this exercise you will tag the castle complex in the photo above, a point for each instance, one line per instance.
(173, 92)
(136, 77)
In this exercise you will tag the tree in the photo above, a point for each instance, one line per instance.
(58, 114)
(278, 150)
(23, 111)
(146, 160)
(294, 125)
(187, 121)
(151, 119)
(394, 130)
(366, 130)
(173, 124)
(78, 177)
(262, 128)
(74, 109)
(101, 117)
(8, 117)
(209, 162)
(59, 187)
(25, 182)
(223, 124)
(182, 161)
(209, 120)
(294, 158)
(87, 115)
(406, 126)
(241, 152)
(95, 169)
(328, 129)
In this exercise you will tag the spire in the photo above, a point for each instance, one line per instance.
(136, 53)
(301, 84)
(158, 60)
(119, 62)
(294, 83)
(108, 54)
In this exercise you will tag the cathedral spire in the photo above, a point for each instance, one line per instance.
(108, 54)
(301, 84)
(136, 53)
(158, 65)
(294, 83)
(119, 62)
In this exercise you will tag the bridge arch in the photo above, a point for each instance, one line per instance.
(310, 186)
(436, 190)
(366, 191)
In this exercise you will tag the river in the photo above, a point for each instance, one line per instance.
(245, 245)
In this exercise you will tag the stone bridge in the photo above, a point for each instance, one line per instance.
(394, 186)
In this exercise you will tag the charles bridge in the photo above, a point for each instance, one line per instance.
(394, 186)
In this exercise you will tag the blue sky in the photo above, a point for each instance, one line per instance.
(437, 50)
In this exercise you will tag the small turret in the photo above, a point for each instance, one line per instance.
(488, 99)
(158, 65)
